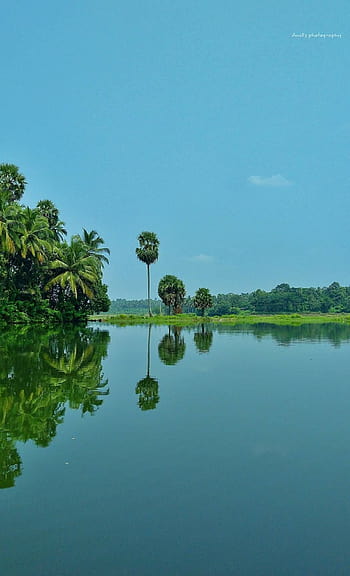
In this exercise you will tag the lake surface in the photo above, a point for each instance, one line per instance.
(145, 452)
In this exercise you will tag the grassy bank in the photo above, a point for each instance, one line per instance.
(192, 319)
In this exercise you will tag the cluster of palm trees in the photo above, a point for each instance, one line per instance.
(38, 265)
(171, 289)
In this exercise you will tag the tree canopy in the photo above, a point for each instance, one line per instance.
(202, 299)
(12, 182)
(171, 291)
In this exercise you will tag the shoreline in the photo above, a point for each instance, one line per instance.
(192, 319)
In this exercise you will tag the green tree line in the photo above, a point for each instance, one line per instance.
(281, 299)
(285, 299)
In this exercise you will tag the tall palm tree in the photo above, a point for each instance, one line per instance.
(148, 253)
(75, 269)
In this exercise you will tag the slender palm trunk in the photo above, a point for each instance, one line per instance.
(149, 290)
(149, 350)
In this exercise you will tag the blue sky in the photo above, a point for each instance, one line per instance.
(206, 122)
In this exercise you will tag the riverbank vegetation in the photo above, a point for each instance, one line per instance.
(44, 277)
(236, 320)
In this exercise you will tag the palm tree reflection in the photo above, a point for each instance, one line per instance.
(172, 346)
(203, 339)
(147, 388)
(42, 372)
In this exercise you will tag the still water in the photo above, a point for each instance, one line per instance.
(144, 452)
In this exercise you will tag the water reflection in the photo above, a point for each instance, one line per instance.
(147, 388)
(203, 339)
(41, 371)
(335, 333)
(171, 349)
(10, 462)
(172, 346)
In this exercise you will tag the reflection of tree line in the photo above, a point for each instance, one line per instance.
(41, 371)
(171, 349)
(335, 333)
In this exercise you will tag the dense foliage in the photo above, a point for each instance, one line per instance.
(42, 276)
(123, 306)
(285, 299)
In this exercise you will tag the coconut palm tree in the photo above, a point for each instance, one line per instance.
(75, 269)
(148, 253)
(93, 243)
(36, 238)
(47, 209)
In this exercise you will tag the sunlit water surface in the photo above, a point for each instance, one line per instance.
(146, 452)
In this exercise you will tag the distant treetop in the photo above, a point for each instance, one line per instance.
(12, 182)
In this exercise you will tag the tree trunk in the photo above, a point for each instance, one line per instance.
(148, 291)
